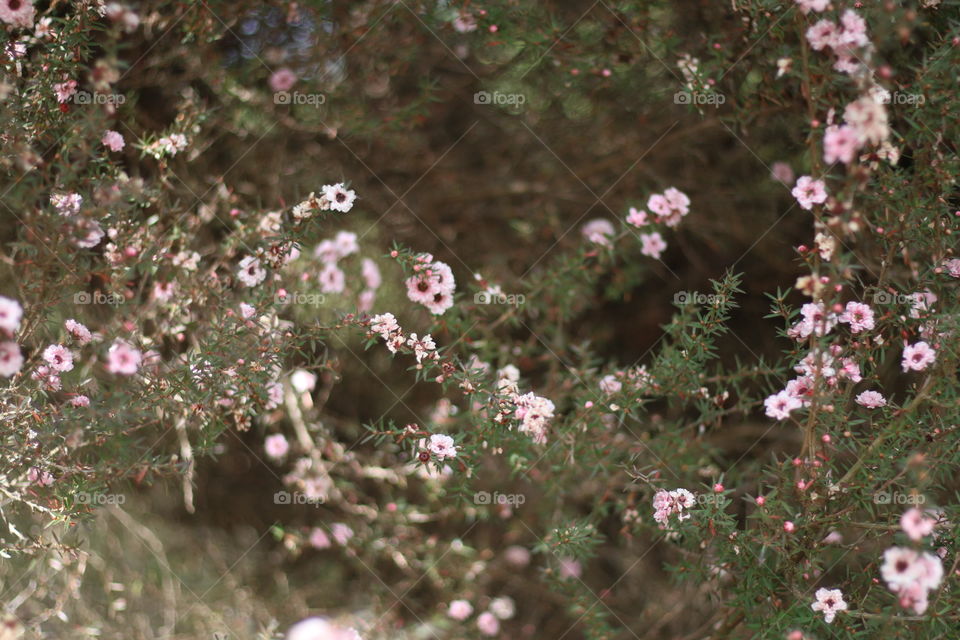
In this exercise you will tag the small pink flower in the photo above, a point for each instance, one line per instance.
(11, 360)
(58, 357)
(871, 400)
(639, 218)
(782, 172)
(341, 533)
(112, 140)
(809, 192)
(37, 476)
(460, 610)
(123, 359)
(823, 34)
(282, 79)
(806, 6)
(442, 446)
(829, 601)
(779, 405)
(570, 568)
(332, 279)
(859, 316)
(10, 314)
(63, 90)
(953, 267)
(599, 231)
(916, 525)
(276, 446)
(80, 401)
(840, 144)
(488, 624)
(319, 539)
(652, 244)
(917, 357)
(79, 332)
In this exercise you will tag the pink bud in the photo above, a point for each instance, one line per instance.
(789, 527)
(760, 500)
(718, 488)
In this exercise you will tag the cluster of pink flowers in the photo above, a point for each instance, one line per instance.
(86, 232)
(912, 575)
(432, 284)
(386, 326)
(670, 503)
(829, 602)
(534, 412)
(668, 208)
(167, 145)
(488, 622)
(333, 197)
(340, 532)
(845, 39)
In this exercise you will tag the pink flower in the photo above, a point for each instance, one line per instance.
(953, 267)
(782, 172)
(460, 610)
(639, 218)
(10, 314)
(859, 316)
(66, 204)
(112, 140)
(840, 144)
(442, 446)
(63, 90)
(599, 231)
(570, 568)
(319, 539)
(250, 272)
(871, 400)
(916, 525)
(371, 274)
(823, 34)
(465, 23)
(610, 385)
(79, 332)
(37, 476)
(282, 79)
(320, 629)
(854, 30)
(659, 205)
(422, 347)
(123, 359)
(806, 6)
(58, 357)
(18, 13)
(668, 503)
(11, 360)
(276, 446)
(779, 405)
(911, 575)
(432, 286)
(80, 401)
(341, 533)
(829, 601)
(817, 319)
(917, 357)
(488, 624)
(809, 192)
(332, 279)
(652, 244)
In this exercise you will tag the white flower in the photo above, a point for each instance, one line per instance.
(303, 381)
(340, 198)
(829, 601)
(250, 272)
(442, 446)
